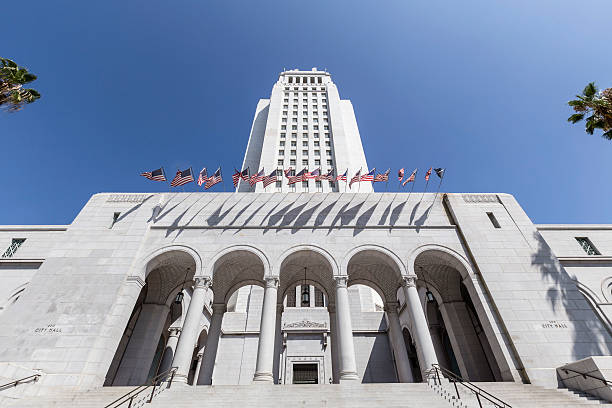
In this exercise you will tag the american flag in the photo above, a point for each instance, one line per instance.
(440, 172)
(155, 175)
(203, 177)
(257, 177)
(400, 174)
(356, 178)
(297, 178)
(313, 175)
(428, 174)
(288, 172)
(245, 175)
(342, 177)
(382, 177)
(329, 176)
(236, 177)
(369, 176)
(271, 178)
(411, 178)
(214, 179)
(182, 178)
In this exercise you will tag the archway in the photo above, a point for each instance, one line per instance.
(305, 350)
(139, 355)
(230, 354)
(375, 275)
(457, 331)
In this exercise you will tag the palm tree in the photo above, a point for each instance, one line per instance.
(12, 93)
(597, 107)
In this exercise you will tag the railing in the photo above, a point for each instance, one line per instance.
(584, 375)
(30, 378)
(156, 382)
(477, 391)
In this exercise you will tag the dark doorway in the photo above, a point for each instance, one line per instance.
(305, 374)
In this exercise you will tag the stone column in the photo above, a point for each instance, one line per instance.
(404, 372)
(346, 355)
(170, 349)
(212, 342)
(196, 375)
(420, 330)
(191, 329)
(267, 329)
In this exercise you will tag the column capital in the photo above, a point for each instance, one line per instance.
(202, 282)
(391, 307)
(341, 281)
(174, 331)
(271, 282)
(219, 307)
(409, 281)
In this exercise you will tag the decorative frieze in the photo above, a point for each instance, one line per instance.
(480, 198)
(305, 324)
(127, 198)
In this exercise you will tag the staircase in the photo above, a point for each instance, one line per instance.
(97, 398)
(521, 396)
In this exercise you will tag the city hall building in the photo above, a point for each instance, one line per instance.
(311, 283)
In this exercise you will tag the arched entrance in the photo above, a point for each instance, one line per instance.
(453, 318)
(150, 332)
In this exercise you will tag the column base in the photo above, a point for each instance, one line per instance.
(263, 378)
(348, 377)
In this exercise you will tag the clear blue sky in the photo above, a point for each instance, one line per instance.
(478, 87)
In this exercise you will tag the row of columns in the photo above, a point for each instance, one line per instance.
(189, 334)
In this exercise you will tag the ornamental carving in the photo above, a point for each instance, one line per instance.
(480, 198)
(202, 282)
(272, 282)
(409, 281)
(341, 281)
(305, 324)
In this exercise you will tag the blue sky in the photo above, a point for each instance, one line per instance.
(478, 87)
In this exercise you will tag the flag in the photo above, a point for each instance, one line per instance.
(382, 176)
(411, 178)
(257, 177)
(428, 174)
(369, 176)
(440, 172)
(236, 177)
(182, 178)
(400, 174)
(342, 177)
(356, 178)
(270, 179)
(245, 174)
(288, 172)
(214, 179)
(306, 175)
(314, 174)
(297, 178)
(329, 176)
(155, 175)
(203, 177)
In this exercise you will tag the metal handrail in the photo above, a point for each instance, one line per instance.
(479, 392)
(15, 383)
(584, 375)
(155, 381)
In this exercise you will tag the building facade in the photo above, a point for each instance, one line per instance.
(301, 287)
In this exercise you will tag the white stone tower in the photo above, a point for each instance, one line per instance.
(305, 124)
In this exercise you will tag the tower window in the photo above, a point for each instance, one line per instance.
(15, 244)
(280, 162)
(305, 152)
(283, 135)
(588, 246)
(493, 220)
(292, 162)
(293, 152)
(317, 162)
(329, 162)
(304, 162)
(293, 143)
(319, 80)
(318, 292)
(305, 143)
(305, 184)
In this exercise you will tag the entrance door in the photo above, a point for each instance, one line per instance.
(305, 373)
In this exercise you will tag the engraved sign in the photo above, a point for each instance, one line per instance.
(480, 198)
(554, 324)
(305, 324)
(50, 329)
(127, 198)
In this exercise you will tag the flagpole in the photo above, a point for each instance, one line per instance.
(411, 188)
(222, 180)
(424, 191)
(437, 191)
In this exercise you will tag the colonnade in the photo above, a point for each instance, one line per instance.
(265, 355)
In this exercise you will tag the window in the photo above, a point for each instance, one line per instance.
(316, 120)
(294, 113)
(326, 135)
(295, 88)
(305, 162)
(316, 127)
(305, 100)
(294, 135)
(294, 100)
(280, 162)
(316, 143)
(284, 120)
(305, 143)
(328, 152)
(15, 244)
(315, 113)
(324, 99)
(314, 100)
(305, 184)
(282, 143)
(305, 93)
(317, 162)
(317, 152)
(283, 135)
(293, 143)
(281, 152)
(290, 80)
(305, 120)
(286, 89)
(293, 152)
(279, 172)
(293, 120)
(305, 152)
(493, 220)
(322, 88)
(318, 292)
(327, 143)
(285, 106)
(312, 81)
(279, 184)
(293, 127)
(320, 81)
(329, 162)
(305, 134)
(326, 127)
(284, 113)
(316, 135)
(588, 246)
(295, 106)
(283, 127)
(286, 100)
(325, 120)
(305, 127)
(292, 162)
(304, 113)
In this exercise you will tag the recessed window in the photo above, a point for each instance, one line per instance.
(293, 120)
(316, 120)
(327, 135)
(285, 106)
(305, 134)
(317, 152)
(282, 143)
(283, 135)
(292, 162)
(279, 184)
(316, 135)
(283, 127)
(316, 143)
(315, 113)
(294, 135)
(281, 152)
(493, 220)
(15, 244)
(305, 120)
(293, 153)
(280, 162)
(294, 113)
(305, 184)
(317, 162)
(284, 120)
(293, 127)
(295, 106)
(305, 127)
(305, 143)
(304, 162)
(316, 127)
(284, 113)
(305, 113)
(286, 100)
(326, 127)
(305, 152)
(588, 246)
(327, 143)
(305, 100)
(293, 143)
(328, 152)
(329, 162)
